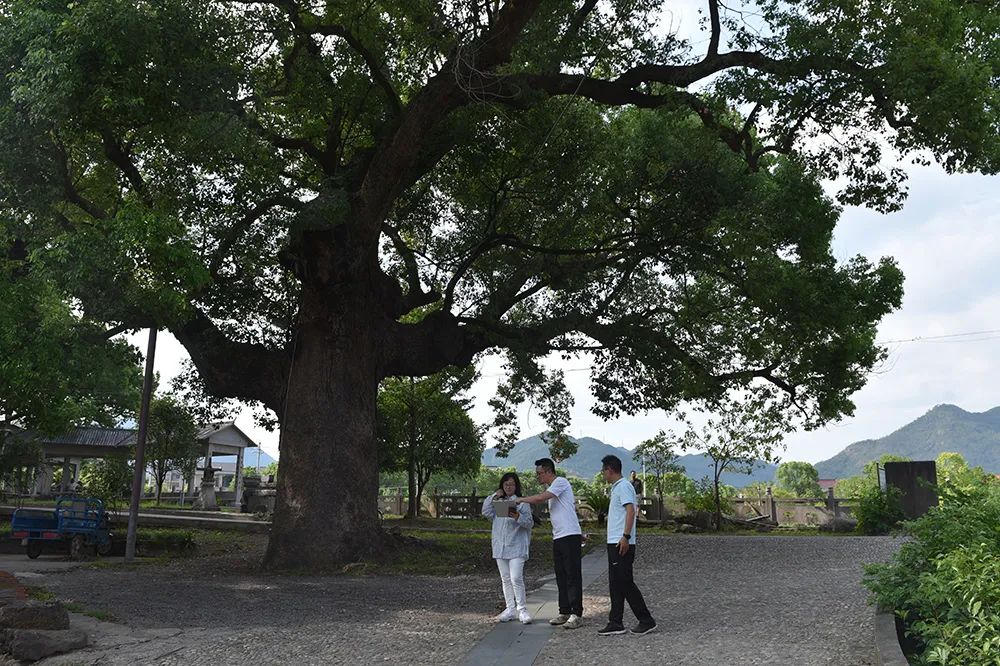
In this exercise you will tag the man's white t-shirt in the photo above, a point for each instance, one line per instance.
(562, 509)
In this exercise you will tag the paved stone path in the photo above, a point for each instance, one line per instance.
(720, 601)
(738, 601)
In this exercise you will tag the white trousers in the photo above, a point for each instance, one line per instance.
(512, 577)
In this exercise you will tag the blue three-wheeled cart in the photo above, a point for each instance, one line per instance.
(81, 521)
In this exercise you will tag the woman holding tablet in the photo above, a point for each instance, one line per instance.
(511, 541)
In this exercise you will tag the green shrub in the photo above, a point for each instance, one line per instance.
(595, 496)
(951, 562)
(958, 612)
(879, 511)
(700, 496)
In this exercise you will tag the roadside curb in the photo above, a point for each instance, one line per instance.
(887, 649)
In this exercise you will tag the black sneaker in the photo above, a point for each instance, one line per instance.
(643, 628)
(612, 630)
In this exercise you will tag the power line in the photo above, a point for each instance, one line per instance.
(928, 338)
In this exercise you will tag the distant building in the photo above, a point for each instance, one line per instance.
(69, 450)
(827, 484)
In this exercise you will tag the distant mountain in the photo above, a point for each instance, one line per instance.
(944, 428)
(586, 462)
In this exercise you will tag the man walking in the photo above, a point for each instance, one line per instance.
(566, 542)
(621, 554)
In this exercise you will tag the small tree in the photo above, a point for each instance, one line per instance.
(108, 479)
(745, 434)
(956, 480)
(173, 444)
(424, 429)
(658, 454)
(798, 478)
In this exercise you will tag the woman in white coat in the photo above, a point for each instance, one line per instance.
(511, 543)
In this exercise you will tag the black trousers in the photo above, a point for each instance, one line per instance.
(623, 587)
(566, 556)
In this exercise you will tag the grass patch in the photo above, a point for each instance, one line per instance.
(425, 522)
(425, 553)
(102, 615)
(39, 593)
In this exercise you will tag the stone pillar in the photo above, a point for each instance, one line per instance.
(66, 475)
(43, 480)
(831, 503)
(239, 479)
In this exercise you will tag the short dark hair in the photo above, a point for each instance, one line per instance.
(614, 463)
(546, 464)
(517, 482)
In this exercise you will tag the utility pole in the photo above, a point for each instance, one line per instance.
(139, 474)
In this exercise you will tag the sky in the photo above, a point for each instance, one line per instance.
(947, 242)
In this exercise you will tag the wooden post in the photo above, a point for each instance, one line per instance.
(772, 506)
(139, 473)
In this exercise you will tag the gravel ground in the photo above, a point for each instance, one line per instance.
(738, 601)
(728, 600)
(194, 612)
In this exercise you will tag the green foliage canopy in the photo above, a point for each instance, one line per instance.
(284, 183)
(798, 478)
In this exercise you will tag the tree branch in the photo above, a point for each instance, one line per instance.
(119, 156)
(375, 68)
(237, 229)
(234, 369)
(713, 44)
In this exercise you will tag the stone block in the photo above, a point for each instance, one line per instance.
(33, 644)
(34, 616)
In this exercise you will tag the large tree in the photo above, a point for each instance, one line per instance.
(280, 183)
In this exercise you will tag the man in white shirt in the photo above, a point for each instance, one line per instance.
(566, 542)
(622, 520)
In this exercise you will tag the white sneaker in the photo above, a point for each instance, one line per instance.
(573, 622)
(559, 619)
(506, 616)
(524, 617)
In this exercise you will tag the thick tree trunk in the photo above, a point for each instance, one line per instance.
(326, 512)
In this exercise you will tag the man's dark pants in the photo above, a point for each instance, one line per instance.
(623, 587)
(566, 555)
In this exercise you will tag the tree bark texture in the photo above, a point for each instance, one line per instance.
(326, 512)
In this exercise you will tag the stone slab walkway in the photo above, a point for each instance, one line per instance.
(515, 644)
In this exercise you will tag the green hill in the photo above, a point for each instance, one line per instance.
(944, 428)
(587, 461)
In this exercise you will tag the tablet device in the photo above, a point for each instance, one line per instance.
(502, 507)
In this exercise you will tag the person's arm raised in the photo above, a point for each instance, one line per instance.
(543, 496)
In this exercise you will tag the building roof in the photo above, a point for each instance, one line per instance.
(104, 437)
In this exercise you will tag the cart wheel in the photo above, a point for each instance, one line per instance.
(76, 547)
(104, 548)
(33, 549)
